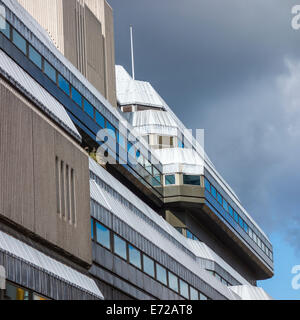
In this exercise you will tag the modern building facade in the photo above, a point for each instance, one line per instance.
(104, 193)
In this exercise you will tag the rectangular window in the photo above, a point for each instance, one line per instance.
(135, 257)
(246, 227)
(213, 191)
(225, 205)
(191, 180)
(6, 29)
(63, 84)
(92, 228)
(103, 235)
(50, 71)
(76, 96)
(19, 41)
(173, 282)
(148, 266)
(161, 274)
(120, 247)
(194, 294)
(100, 119)
(236, 217)
(35, 57)
(241, 222)
(207, 184)
(203, 297)
(220, 198)
(180, 144)
(170, 180)
(88, 108)
(230, 210)
(184, 289)
(189, 235)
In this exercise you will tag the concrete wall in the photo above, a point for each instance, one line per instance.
(83, 30)
(29, 145)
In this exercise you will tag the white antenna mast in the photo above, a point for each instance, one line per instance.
(132, 53)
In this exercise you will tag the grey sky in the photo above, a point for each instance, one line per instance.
(233, 68)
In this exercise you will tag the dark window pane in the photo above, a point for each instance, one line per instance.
(103, 236)
(49, 71)
(135, 257)
(35, 57)
(6, 29)
(100, 119)
(76, 96)
(194, 294)
(64, 84)
(192, 180)
(88, 108)
(207, 184)
(213, 191)
(173, 282)
(170, 179)
(184, 289)
(19, 41)
(148, 266)
(120, 247)
(219, 198)
(13, 292)
(161, 274)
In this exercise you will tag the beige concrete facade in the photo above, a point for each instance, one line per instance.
(83, 30)
(30, 144)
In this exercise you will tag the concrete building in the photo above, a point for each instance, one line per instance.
(147, 216)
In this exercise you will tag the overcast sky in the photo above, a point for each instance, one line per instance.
(231, 67)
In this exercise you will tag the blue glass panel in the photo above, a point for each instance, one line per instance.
(219, 198)
(236, 217)
(225, 205)
(207, 184)
(135, 257)
(35, 57)
(241, 222)
(173, 282)
(194, 294)
(161, 274)
(148, 266)
(191, 180)
(246, 227)
(63, 84)
(189, 235)
(100, 119)
(184, 289)
(50, 71)
(170, 180)
(6, 29)
(89, 109)
(92, 228)
(103, 235)
(111, 127)
(76, 96)
(180, 144)
(120, 247)
(213, 191)
(230, 210)
(19, 41)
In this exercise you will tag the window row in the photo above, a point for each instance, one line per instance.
(15, 292)
(221, 279)
(19, 41)
(193, 180)
(237, 218)
(187, 233)
(111, 241)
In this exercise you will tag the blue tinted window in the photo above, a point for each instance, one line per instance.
(236, 217)
(49, 71)
(19, 41)
(213, 191)
(207, 184)
(161, 274)
(189, 235)
(103, 235)
(246, 227)
(63, 84)
(135, 257)
(180, 144)
(6, 29)
(194, 294)
(35, 57)
(225, 205)
(192, 180)
(219, 198)
(148, 266)
(76, 96)
(100, 119)
(120, 247)
(230, 210)
(184, 289)
(241, 222)
(170, 179)
(173, 282)
(112, 129)
(92, 228)
(88, 108)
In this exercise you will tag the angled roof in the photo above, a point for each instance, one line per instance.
(247, 292)
(35, 92)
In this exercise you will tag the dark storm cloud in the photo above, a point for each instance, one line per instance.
(231, 67)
